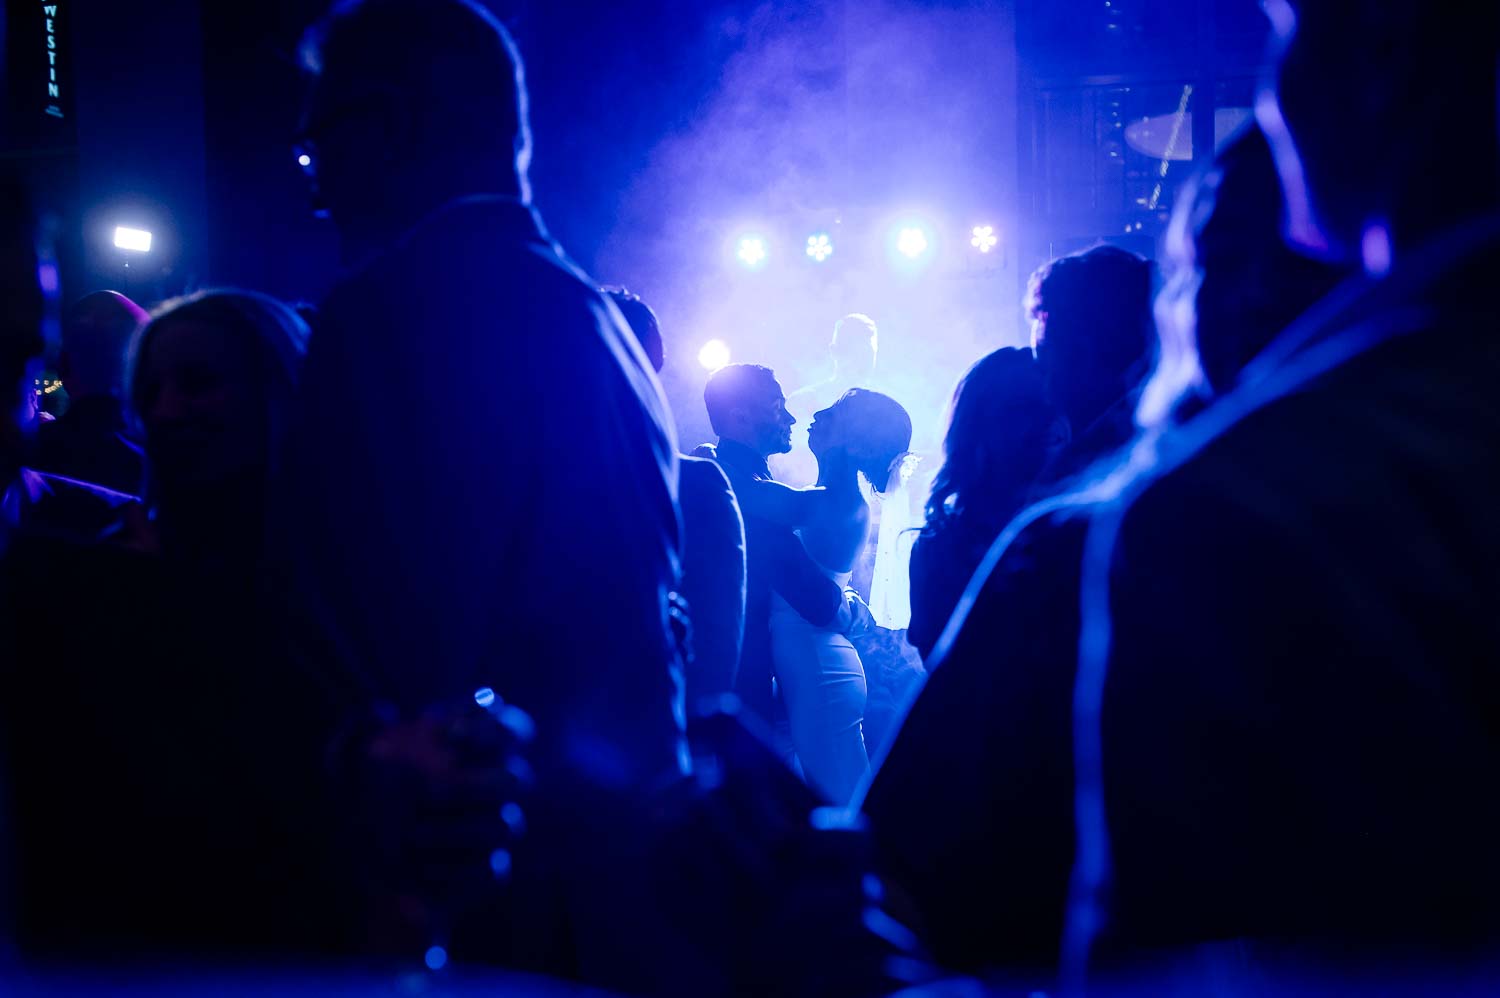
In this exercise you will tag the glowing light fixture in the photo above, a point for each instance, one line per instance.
(819, 247)
(984, 238)
(912, 242)
(304, 160)
(135, 240)
(752, 251)
(714, 355)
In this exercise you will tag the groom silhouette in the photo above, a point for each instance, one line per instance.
(747, 410)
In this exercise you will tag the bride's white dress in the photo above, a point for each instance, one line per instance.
(822, 682)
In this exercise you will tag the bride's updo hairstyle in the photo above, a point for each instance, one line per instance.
(877, 431)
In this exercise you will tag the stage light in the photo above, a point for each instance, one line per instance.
(136, 240)
(714, 355)
(752, 251)
(304, 160)
(912, 242)
(819, 247)
(984, 238)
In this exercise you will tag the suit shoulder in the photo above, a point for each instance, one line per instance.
(702, 474)
(702, 486)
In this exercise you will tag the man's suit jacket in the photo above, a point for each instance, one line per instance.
(482, 494)
(713, 578)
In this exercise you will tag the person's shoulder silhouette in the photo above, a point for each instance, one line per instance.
(464, 359)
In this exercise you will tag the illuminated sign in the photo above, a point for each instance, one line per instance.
(36, 74)
(54, 88)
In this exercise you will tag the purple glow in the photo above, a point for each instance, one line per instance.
(46, 275)
(1283, 18)
(1375, 250)
(1302, 228)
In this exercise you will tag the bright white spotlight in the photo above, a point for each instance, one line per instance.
(714, 355)
(984, 238)
(135, 240)
(304, 161)
(819, 247)
(752, 251)
(912, 242)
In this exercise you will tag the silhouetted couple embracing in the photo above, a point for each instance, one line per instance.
(801, 545)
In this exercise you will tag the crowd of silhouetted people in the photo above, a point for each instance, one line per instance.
(299, 665)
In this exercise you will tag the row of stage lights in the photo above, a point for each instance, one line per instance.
(913, 242)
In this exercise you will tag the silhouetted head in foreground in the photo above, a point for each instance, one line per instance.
(1092, 330)
(1253, 285)
(643, 324)
(96, 338)
(746, 406)
(1233, 283)
(999, 431)
(1383, 121)
(212, 381)
(866, 430)
(414, 103)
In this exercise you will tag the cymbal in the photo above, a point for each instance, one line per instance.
(1150, 136)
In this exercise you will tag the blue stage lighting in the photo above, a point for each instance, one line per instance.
(714, 355)
(912, 242)
(752, 252)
